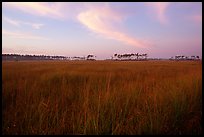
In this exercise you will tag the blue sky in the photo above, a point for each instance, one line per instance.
(159, 29)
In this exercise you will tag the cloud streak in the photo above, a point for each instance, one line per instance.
(103, 21)
(99, 18)
(19, 23)
(39, 9)
(11, 21)
(21, 35)
(160, 9)
(197, 18)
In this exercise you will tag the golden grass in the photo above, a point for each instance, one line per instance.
(102, 97)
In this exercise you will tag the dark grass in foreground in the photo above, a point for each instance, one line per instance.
(102, 97)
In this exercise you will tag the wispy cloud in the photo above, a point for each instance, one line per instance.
(11, 21)
(104, 21)
(40, 9)
(99, 18)
(19, 23)
(160, 9)
(37, 26)
(197, 18)
(21, 35)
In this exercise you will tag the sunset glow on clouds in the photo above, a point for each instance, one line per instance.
(38, 9)
(102, 21)
(44, 21)
(20, 23)
(197, 18)
(160, 10)
(21, 35)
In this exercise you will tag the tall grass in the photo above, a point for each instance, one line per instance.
(102, 97)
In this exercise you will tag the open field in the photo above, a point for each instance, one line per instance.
(102, 97)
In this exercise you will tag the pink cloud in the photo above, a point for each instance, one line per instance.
(34, 8)
(160, 9)
(19, 23)
(11, 21)
(99, 18)
(197, 18)
(21, 35)
(103, 20)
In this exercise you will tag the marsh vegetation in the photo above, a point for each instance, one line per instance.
(102, 97)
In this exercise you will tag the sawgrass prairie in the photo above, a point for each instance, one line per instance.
(101, 97)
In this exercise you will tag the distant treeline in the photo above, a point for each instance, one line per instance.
(129, 56)
(17, 57)
(182, 57)
(120, 57)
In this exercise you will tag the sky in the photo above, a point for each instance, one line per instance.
(160, 29)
